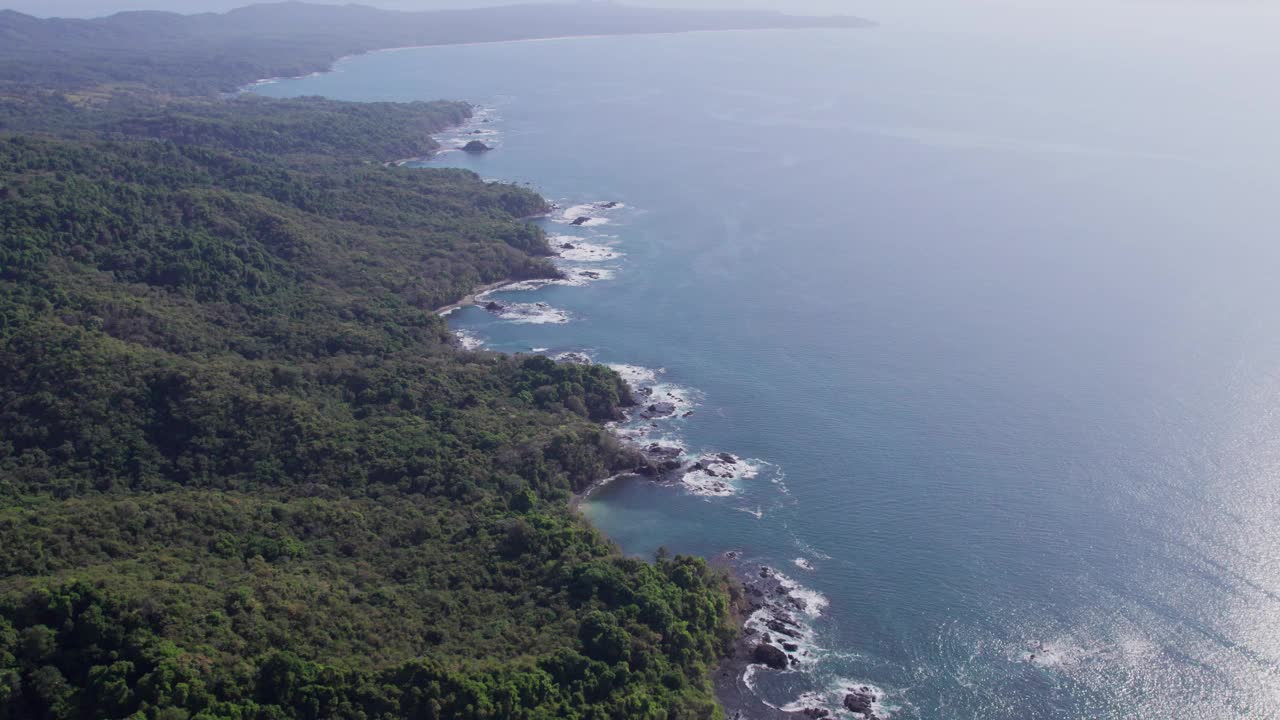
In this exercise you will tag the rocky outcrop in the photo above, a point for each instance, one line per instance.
(860, 701)
(475, 146)
(659, 410)
(766, 654)
(494, 307)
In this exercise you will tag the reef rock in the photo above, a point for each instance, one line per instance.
(860, 701)
(767, 654)
(475, 146)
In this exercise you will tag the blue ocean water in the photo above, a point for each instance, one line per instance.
(993, 319)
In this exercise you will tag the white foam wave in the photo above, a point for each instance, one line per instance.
(803, 564)
(574, 249)
(468, 340)
(636, 375)
(832, 697)
(574, 277)
(533, 314)
(798, 642)
(814, 601)
(588, 214)
(716, 476)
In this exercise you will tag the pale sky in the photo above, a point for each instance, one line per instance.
(1253, 23)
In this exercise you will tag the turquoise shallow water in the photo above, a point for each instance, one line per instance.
(994, 318)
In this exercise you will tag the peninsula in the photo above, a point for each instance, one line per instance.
(245, 469)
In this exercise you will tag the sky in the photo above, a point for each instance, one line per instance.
(1253, 23)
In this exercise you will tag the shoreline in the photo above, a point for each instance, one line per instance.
(469, 300)
(734, 696)
(332, 67)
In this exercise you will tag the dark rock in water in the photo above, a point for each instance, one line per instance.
(475, 146)
(781, 629)
(567, 246)
(727, 459)
(666, 452)
(688, 414)
(767, 654)
(607, 205)
(670, 466)
(493, 307)
(658, 410)
(766, 572)
(817, 713)
(859, 702)
(581, 221)
(795, 662)
(790, 647)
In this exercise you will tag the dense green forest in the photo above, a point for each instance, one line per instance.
(210, 53)
(244, 472)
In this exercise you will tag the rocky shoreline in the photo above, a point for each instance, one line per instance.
(772, 639)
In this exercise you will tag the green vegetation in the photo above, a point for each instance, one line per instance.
(206, 54)
(244, 473)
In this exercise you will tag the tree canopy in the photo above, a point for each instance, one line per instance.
(246, 473)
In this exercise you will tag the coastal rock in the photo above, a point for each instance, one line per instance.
(494, 307)
(771, 656)
(567, 246)
(665, 452)
(859, 702)
(607, 205)
(817, 713)
(658, 410)
(727, 459)
(574, 358)
(781, 629)
(475, 146)
(790, 647)
(577, 222)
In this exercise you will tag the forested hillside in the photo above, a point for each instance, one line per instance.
(245, 474)
(209, 53)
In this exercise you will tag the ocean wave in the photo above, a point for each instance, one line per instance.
(533, 314)
(588, 214)
(575, 249)
(832, 699)
(813, 601)
(468, 340)
(574, 277)
(803, 563)
(636, 375)
(717, 475)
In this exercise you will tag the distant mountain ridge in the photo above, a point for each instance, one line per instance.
(211, 52)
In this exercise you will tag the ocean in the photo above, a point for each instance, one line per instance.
(988, 324)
